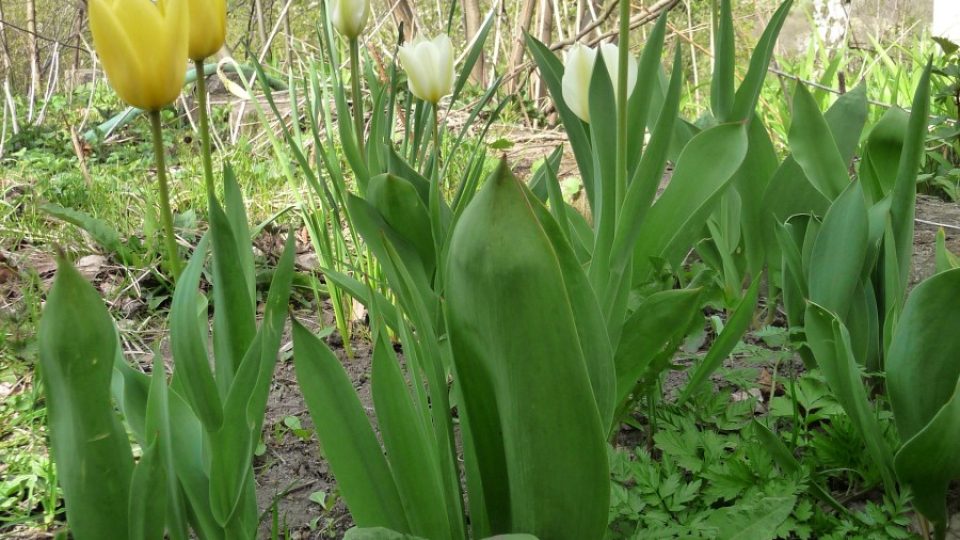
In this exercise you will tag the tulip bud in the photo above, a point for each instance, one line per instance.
(429, 67)
(350, 16)
(208, 27)
(578, 72)
(143, 48)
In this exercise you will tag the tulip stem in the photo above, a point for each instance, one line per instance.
(436, 140)
(204, 126)
(166, 215)
(357, 97)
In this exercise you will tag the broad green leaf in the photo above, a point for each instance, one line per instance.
(77, 341)
(923, 362)
(643, 186)
(846, 118)
(234, 312)
(722, 87)
(401, 207)
(603, 134)
(751, 182)
(148, 497)
(399, 167)
(659, 322)
(704, 170)
(523, 376)
(233, 444)
(538, 182)
(928, 463)
(814, 147)
(737, 325)
(839, 251)
(349, 443)
(379, 235)
(749, 92)
(828, 339)
(923, 382)
(640, 101)
(903, 205)
(189, 344)
(416, 467)
(881, 153)
(102, 232)
(237, 216)
(187, 446)
(157, 425)
(592, 329)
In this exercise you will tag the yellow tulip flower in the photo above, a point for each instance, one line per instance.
(143, 48)
(208, 27)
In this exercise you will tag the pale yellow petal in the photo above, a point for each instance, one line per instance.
(114, 48)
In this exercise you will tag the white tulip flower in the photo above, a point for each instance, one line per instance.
(578, 72)
(350, 16)
(429, 67)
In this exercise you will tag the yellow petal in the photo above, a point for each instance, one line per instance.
(207, 27)
(114, 47)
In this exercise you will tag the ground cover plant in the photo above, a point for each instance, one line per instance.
(668, 322)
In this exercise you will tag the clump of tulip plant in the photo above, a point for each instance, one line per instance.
(196, 433)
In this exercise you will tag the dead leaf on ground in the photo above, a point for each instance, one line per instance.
(91, 265)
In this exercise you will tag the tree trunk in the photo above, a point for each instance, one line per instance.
(471, 22)
(587, 12)
(34, 54)
(545, 35)
(519, 45)
(406, 19)
(832, 20)
(7, 72)
(261, 24)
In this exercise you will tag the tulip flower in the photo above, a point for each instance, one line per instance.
(208, 27)
(578, 72)
(429, 67)
(143, 48)
(350, 17)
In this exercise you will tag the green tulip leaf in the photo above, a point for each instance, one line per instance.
(839, 252)
(704, 170)
(829, 340)
(187, 338)
(78, 346)
(413, 459)
(736, 326)
(657, 327)
(814, 146)
(349, 443)
(522, 373)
